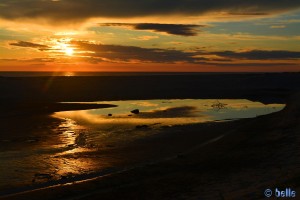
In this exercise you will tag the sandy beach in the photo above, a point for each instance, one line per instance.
(229, 160)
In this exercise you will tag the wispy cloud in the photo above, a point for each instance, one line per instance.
(33, 60)
(278, 26)
(260, 54)
(29, 44)
(146, 37)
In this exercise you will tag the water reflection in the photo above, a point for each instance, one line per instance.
(67, 131)
(170, 112)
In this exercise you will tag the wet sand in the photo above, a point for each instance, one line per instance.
(19, 121)
(254, 154)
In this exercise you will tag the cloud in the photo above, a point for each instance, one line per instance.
(260, 55)
(256, 64)
(120, 53)
(29, 44)
(96, 52)
(173, 29)
(41, 60)
(38, 60)
(78, 10)
(146, 37)
(278, 26)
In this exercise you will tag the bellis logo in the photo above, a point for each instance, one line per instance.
(288, 192)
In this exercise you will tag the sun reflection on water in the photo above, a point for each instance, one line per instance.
(66, 131)
(69, 74)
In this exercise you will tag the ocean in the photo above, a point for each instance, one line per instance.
(40, 74)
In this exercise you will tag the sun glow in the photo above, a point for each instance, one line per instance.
(63, 46)
(69, 51)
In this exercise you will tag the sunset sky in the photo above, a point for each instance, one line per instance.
(150, 35)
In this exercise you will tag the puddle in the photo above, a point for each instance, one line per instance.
(133, 119)
(169, 112)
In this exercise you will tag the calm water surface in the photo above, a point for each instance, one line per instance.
(118, 123)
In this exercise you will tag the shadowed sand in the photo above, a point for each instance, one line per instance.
(251, 156)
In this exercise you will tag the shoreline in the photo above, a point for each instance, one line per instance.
(47, 108)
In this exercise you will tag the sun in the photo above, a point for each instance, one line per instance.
(69, 51)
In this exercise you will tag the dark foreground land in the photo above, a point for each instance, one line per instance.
(254, 154)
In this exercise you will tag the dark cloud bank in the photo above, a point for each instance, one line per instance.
(156, 55)
(128, 53)
(77, 10)
(173, 29)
